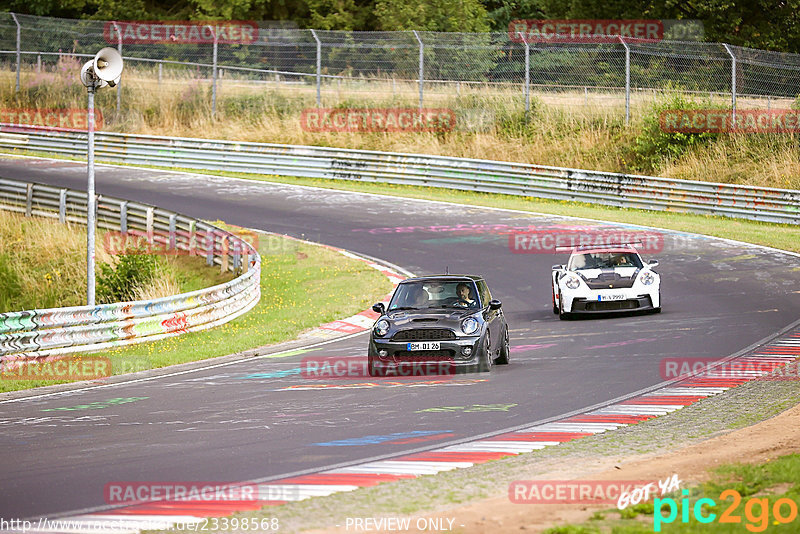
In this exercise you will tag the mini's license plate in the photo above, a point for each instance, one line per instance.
(611, 297)
(423, 345)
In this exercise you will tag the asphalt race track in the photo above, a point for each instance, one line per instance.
(260, 419)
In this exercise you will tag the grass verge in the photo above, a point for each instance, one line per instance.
(302, 286)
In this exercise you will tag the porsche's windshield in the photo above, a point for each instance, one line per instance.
(604, 260)
(435, 294)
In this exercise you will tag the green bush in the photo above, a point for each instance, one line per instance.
(118, 283)
(653, 146)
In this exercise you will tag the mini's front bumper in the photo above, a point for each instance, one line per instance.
(459, 353)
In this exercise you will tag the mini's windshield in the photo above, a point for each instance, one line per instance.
(435, 294)
(604, 260)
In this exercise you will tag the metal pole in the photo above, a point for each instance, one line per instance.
(160, 69)
(90, 204)
(527, 74)
(19, 48)
(319, 67)
(214, 76)
(733, 84)
(421, 68)
(119, 49)
(627, 80)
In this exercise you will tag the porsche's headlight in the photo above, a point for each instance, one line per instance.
(572, 282)
(647, 278)
(470, 325)
(381, 327)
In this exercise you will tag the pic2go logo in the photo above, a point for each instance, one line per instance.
(756, 511)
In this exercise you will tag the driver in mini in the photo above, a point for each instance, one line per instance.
(464, 295)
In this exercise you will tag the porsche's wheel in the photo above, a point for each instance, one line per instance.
(485, 359)
(502, 359)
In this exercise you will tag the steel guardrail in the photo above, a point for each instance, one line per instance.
(487, 176)
(51, 332)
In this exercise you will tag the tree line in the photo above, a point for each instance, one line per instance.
(766, 24)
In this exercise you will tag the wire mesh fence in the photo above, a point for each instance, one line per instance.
(338, 65)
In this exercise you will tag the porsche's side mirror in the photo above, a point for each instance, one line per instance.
(653, 263)
(558, 267)
(495, 304)
(379, 308)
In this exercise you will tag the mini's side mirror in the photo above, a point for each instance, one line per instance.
(653, 263)
(557, 267)
(379, 308)
(495, 304)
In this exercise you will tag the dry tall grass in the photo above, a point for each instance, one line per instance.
(572, 128)
(43, 264)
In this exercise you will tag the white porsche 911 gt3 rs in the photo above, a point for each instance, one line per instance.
(604, 280)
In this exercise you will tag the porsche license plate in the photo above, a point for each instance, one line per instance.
(618, 296)
(423, 345)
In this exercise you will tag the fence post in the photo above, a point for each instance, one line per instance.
(527, 90)
(160, 71)
(421, 68)
(733, 84)
(214, 75)
(19, 47)
(627, 80)
(319, 67)
(38, 62)
(119, 49)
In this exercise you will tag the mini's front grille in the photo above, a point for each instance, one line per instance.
(424, 334)
(423, 355)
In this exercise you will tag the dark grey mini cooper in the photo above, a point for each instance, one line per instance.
(438, 325)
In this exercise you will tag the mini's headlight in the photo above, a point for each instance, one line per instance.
(647, 278)
(572, 282)
(382, 327)
(469, 325)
